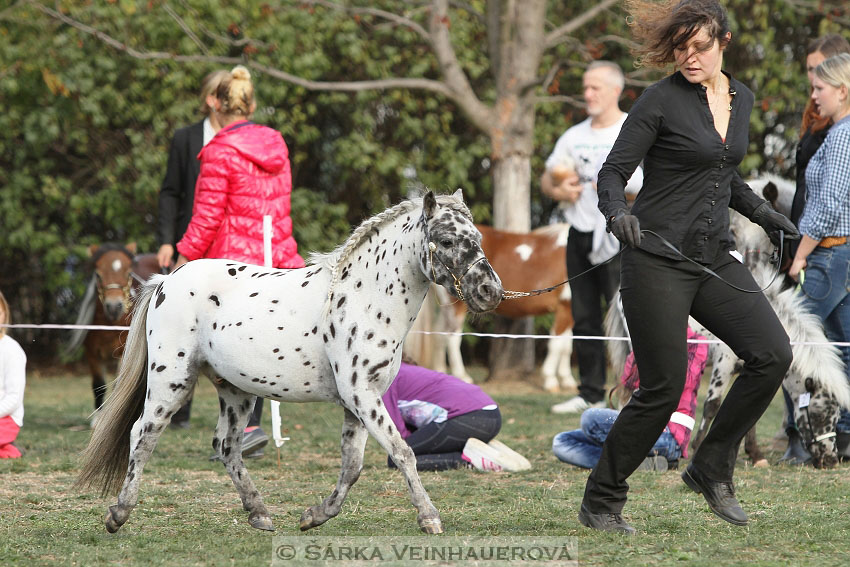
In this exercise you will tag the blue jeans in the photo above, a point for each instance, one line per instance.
(583, 447)
(826, 288)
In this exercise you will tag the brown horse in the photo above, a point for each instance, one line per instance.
(118, 274)
(534, 260)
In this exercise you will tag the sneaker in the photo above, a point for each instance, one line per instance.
(523, 463)
(252, 442)
(609, 522)
(655, 463)
(486, 458)
(576, 405)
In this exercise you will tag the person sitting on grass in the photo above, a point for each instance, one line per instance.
(448, 423)
(13, 364)
(583, 447)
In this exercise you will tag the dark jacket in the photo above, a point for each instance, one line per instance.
(178, 188)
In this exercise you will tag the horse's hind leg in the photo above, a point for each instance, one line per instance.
(235, 408)
(354, 437)
(160, 404)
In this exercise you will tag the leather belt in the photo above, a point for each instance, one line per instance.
(831, 241)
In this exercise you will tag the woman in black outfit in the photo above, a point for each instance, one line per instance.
(691, 130)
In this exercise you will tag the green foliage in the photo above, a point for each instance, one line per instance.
(85, 128)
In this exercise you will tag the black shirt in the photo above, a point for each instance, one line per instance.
(689, 173)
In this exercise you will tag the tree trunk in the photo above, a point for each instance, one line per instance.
(512, 359)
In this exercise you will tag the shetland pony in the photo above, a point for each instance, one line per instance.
(329, 332)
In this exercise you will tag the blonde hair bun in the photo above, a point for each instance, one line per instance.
(241, 73)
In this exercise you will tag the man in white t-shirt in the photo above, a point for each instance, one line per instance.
(570, 178)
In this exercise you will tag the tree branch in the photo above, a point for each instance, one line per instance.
(348, 86)
(401, 20)
(554, 37)
(456, 79)
(578, 103)
(186, 29)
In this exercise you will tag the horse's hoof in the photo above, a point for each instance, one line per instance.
(552, 389)
(761, 464)
(307, 520)
(111, 525)
(261, 523)
(431, 526)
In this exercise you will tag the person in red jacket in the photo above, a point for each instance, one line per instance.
(245, 175)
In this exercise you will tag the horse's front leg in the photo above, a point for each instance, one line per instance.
(353, 443)
(377, 421)
(751, 447)
(723, 366)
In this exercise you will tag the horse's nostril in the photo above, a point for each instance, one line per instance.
(490, 292)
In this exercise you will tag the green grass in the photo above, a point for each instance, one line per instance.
(189, 512)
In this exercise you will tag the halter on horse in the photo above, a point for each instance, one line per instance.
(118, 275)
(332, 331)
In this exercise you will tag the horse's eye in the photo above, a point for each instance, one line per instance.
(446, 243)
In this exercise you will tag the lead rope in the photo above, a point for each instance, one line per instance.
(518, 294)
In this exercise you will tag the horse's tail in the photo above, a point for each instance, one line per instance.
(84, 317)
(107, 455)
(615, 326)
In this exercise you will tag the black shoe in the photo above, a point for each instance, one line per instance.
(719, 495)
(609, 522)
(796, 453)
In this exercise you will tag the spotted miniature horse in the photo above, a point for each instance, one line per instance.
(816, 370)
(524, 261)
(117, 276)
(329, 332)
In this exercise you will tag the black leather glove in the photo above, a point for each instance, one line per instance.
(625, 227)
(772, 222)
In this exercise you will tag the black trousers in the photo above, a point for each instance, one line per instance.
(658, 295)
(439, 446)
(588, 294)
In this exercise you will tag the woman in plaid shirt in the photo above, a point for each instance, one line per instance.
(822, 261)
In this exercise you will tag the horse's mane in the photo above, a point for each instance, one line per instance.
(333, 260)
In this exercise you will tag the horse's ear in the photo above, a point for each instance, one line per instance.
(458, 195)
(92, 249)
(131, 247)
(429, 204)
(771, 193)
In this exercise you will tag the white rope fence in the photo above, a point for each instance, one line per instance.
(444, 333)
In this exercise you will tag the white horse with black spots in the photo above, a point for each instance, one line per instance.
(329, 332)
